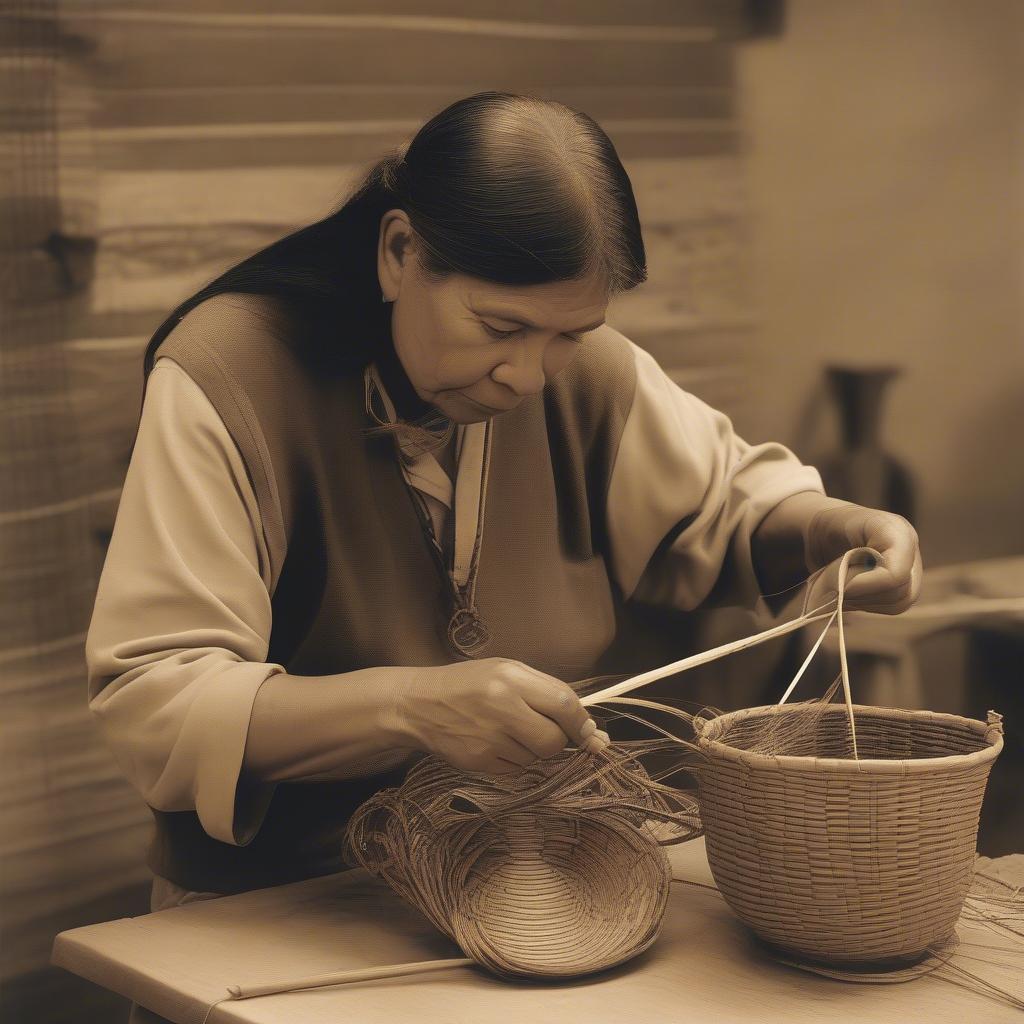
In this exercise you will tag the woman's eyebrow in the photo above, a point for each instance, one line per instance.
(520, 319)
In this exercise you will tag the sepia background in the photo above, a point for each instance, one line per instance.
(832, 196)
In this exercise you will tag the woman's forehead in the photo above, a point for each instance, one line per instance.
(540, 305)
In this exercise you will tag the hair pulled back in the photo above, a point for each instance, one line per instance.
(509, 188)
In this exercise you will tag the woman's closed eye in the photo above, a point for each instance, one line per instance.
(496, 333)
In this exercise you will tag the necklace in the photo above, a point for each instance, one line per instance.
(467, 632)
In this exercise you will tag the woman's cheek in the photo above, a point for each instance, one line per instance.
(459, 369)
(558, 356)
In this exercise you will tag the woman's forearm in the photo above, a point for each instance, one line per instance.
(309, 727)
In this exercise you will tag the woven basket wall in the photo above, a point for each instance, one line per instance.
(840, 860)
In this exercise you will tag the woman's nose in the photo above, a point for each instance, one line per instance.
(524, 373)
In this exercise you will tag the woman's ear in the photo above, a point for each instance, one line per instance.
(394, 244)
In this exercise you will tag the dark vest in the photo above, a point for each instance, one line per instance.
(355, 582)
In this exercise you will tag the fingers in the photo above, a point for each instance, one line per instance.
(900, 595)
(511, 756)
(558, 701)
(893, 585)
(497, 714)
(878, 591)
(599, 741)
(501, 767)
(916, 577)
(896, 540)
(508, 749)
(549, 703)
(538, 733)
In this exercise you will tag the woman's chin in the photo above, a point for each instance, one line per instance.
(469, 416)
(462, 409)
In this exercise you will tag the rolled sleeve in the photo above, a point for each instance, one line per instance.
(181, 624)
(686, 495)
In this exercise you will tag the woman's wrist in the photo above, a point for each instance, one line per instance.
(393, 720)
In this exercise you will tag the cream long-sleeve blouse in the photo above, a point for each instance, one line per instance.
(174, 701)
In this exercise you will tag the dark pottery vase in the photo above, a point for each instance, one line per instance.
(862, 471)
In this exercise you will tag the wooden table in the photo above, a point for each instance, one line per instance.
(703, 968)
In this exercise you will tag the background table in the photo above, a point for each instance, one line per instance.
(704, 967)
(987, 594)
(958, 650)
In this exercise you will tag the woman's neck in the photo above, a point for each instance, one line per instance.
(408, 404)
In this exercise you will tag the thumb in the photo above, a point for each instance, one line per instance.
(824, 588)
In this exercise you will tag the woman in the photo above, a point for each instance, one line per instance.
(356, 531)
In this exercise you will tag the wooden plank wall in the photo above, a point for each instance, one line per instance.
(213, 127)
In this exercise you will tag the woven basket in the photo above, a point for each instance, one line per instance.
(842, 860)
(535, 874)
(561, 898)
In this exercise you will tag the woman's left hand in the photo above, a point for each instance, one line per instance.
(890, 587)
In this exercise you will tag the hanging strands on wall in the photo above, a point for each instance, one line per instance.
(843, 835)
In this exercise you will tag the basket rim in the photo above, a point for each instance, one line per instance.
(992, 734)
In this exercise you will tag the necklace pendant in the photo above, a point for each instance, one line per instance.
(467, 634)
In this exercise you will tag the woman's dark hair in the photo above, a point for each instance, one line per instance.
(509, 188)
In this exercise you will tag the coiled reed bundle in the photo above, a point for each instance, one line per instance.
(552, 872)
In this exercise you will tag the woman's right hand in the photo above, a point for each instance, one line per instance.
(494, 715)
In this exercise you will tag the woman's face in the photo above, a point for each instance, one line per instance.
(475, 349)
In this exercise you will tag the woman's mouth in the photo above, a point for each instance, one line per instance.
(480, 405)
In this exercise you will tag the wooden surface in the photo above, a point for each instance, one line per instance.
(704, 966)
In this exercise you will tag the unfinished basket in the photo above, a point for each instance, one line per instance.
(839, 859)
(552, 872)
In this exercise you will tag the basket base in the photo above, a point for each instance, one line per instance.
(852, 970)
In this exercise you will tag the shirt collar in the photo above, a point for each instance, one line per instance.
(381, 408)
